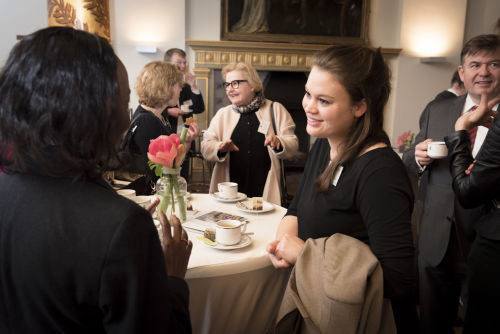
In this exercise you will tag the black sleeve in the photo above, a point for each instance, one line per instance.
(385, 202)
(481, 185)
(308, 176)
(148, 128)
(198, 104)
(136, 295)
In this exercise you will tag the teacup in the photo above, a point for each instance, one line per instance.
(437, 150)
(228, 189)
(185, 108)
(229, 231)
(126, 192)
(143, 201)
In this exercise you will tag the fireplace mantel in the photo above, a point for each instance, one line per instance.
(210, 56)
(263, 56)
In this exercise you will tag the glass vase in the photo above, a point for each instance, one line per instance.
(171, 188)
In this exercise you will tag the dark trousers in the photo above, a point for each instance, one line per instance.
(483, 277)
(440, 289)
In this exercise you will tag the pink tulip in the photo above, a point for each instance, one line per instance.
(166, 151)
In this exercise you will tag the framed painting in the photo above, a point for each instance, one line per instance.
(295, 21)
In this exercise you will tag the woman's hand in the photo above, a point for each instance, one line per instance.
(193, 132)
(289, 248)
(228, 146)
(176, 247)
(275, 260)
(284, 252)
(152, 207)
(482, 115)
(273, 141)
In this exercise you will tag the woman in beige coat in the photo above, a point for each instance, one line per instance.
(243, 134)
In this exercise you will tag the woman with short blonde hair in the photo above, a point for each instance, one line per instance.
(158, 85)
(242, 133)
(155, 83)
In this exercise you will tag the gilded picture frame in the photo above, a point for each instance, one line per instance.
(295, 21)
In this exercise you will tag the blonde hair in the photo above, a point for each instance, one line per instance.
(155, 83)
(248, 70)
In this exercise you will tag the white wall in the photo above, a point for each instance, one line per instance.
(428, 28)
(158, 23)
(482, 16)
(19, 18)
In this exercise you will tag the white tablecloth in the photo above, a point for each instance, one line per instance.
(235, 291)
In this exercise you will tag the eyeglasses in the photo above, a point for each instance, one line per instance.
(235, 83)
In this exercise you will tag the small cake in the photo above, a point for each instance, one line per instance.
(256, 203)
(209, 234)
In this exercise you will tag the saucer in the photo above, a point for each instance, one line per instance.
(240, 197)
(266, 206)
(245, 241)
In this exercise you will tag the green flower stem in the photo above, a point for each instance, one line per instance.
(183, 134)
(180, 200)
(165, 199)
(171, 189)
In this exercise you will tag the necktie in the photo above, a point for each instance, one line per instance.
(473, 132)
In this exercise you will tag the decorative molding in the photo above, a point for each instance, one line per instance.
(263, 56)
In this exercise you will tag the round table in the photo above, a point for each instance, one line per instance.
(234, 291)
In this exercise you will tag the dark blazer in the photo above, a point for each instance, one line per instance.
(482, 185)
(445, 94)
(75, 257)
(439, 207)
(197, 107)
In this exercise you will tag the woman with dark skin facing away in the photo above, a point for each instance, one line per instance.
(76, 257)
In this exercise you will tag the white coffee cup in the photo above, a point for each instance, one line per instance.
(143, 201)
(228, 189)
(229, 231)
(126, 192)
(185, 108)
(437, 150)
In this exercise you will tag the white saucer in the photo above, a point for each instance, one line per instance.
(245, 241)
(266, 206)
(240, 197)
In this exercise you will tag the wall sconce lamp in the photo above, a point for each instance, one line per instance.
(432, 59)
(146, 49)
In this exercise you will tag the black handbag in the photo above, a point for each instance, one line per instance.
(286, 199)
(132, 161)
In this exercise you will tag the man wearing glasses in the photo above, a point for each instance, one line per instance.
(190, 95)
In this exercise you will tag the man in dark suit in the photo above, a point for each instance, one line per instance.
(190, 96)
(443, 226)
(456, 89)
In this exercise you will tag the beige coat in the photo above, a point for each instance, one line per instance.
(221, 128)
(337, 287)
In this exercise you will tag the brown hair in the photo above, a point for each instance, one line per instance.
(488, 43)
(364, 74)
(155, 83)
(251, 74)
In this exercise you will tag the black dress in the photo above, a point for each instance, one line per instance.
(250, 142)
(148, 127)
(371, 202)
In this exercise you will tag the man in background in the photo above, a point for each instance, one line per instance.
(457, 88)
(445, 227)
(190, 96)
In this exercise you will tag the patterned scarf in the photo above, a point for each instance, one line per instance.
(254, 105)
